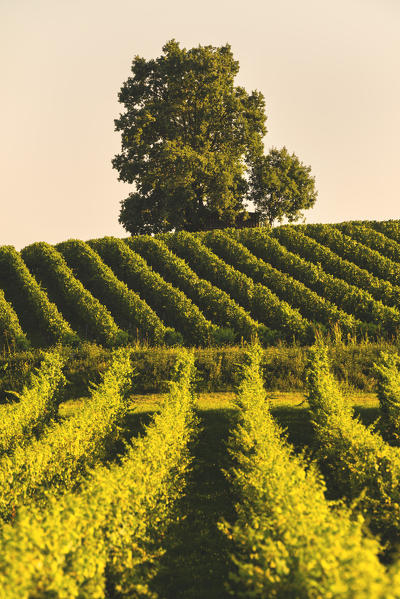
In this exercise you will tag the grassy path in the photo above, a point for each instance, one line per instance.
(197, 562)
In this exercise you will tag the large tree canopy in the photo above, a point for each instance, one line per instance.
(281, 186)
(190, 138)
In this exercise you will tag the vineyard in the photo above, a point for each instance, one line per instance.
(202, 415)
(112, 496)
(290, 284)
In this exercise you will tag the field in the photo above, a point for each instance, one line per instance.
(202, 415)
(120, 494)
(200, 564)
(288, 284)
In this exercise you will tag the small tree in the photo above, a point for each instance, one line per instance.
(281, 186)
(189, 140)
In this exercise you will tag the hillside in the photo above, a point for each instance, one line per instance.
(205, 288)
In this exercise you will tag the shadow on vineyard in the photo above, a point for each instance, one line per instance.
(295, 422)
(368, 416)
(297, 425)
(134, 424)
(197, 562)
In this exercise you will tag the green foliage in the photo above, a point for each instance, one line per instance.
(350, 298)
(311, 250)
(309, 303)
(388, 375)
(67, 450)
(283, 367)
(172, 305)
(173, 338)
(371, 238)
(390, 228)
(214, 303)
(91, 316)
(11, 332)
(224, 336)
(129, 310)
(288, 540)
(37, 404)
(263, 305)
(189, 136)
(36, 312)
(279, 285)
(282, 186)
(106, 540)
(160, 461)
(84, 364)
(361, 465)
(356, 252)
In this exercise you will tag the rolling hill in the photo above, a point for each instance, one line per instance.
(205, 288)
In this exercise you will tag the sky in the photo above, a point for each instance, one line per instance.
(329, 71)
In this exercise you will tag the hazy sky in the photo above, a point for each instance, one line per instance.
(330, 73)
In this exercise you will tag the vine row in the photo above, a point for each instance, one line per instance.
(67, 450)
(215, 304)
(263, 304)
(39, 317)
(108, 538)
(311, 305)
(170, 303)
(36, 407)
(75, 301)
(288, 541)
(129, 310)
(378, 317)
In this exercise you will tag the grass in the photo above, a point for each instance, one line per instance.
(196, 563)
(224, 400)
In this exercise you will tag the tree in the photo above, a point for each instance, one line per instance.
(189, 140)
(281, 186)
